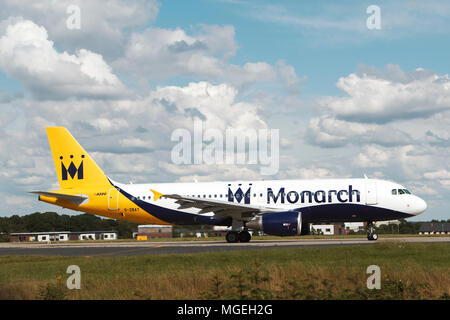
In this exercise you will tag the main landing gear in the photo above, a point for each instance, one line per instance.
(235, 236)
(239, 232)
(371, 235)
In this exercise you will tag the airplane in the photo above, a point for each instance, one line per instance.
(275, 207)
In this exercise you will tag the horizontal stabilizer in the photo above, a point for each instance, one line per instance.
(77, 199)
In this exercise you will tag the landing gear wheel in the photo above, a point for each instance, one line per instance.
(244, 236)
(371, 235)
(232, 236)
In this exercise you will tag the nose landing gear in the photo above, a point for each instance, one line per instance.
(371, 235)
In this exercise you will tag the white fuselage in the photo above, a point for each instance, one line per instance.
(331, 200)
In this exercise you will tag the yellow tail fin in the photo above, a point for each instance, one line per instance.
(74, 167)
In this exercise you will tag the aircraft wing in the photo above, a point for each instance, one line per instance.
(77, 199)
(220, 208)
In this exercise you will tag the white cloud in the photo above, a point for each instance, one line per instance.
(325, 20)
(103, 23)
(105, 125)
(410, 163)
(383, 97)
(26, 54)
(162, 53)
(332, 23)
(19, 201)
(423, 189)
(204, 173)
(289, 77)
(135, 142)
(216, 105)
(312, 172)
(250, 73)
(372, 157)
(329, 132)
(440, 174)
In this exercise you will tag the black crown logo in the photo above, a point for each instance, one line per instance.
(239, 195)
(72, 170)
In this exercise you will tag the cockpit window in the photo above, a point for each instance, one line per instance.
(400, 191)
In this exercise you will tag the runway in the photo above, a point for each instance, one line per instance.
(99, 249)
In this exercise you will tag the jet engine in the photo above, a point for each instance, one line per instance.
(288, 223)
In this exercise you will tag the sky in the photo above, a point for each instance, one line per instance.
(352, 90)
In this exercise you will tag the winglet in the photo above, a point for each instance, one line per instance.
(157, 194)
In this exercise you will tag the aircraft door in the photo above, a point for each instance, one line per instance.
(113, 199)
(371, 192)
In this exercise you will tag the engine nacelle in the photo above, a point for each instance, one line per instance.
(287, 223)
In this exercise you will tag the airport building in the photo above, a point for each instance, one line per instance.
(219, 231)
(328, 229)
(324, 229)
(354, 226)
(435, 228)
(347, 227)
(63, 236)
(148, 231)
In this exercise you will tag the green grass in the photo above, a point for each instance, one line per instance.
(408, 271)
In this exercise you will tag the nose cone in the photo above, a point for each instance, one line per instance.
(419, 206)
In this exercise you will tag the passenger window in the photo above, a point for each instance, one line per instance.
(394, 191)
(400, 191)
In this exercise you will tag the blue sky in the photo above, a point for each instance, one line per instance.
(310, 50)
(347, 100)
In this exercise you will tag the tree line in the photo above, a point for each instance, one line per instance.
(51, 221)
(404, 227)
